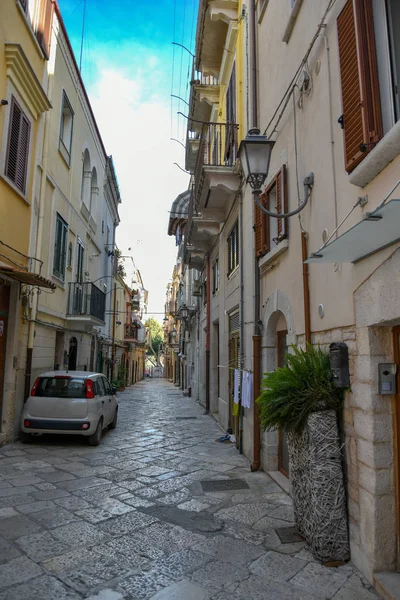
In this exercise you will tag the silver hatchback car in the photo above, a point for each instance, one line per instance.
(70, 402)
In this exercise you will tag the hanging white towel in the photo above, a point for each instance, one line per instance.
(247, 389)
(236, 387)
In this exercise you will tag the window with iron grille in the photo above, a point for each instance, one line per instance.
(269, 231)
(18, 146)
(205, 292)
(233, 248)
(60, 247)
(215, 274)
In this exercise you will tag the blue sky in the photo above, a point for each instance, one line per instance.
(127, 65)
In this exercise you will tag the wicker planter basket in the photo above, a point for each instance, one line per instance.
(318, 492)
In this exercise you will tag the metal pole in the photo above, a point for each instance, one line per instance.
(208, 291)
(113, 332)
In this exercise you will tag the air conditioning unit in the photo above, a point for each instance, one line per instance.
(196, 287)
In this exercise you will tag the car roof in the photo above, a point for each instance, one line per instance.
(82, 374)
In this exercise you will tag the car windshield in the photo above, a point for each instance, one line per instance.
(61, 387)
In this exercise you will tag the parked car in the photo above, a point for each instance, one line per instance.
(70, 402)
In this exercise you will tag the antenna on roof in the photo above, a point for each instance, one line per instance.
(83, 34)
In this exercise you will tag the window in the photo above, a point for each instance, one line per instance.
(60, 247)
(230, 141)
(215, 273)
(100, 386)
(80, 261)
(233, 248)
(69, 260)
(107, 387)
(66, 127)
(40, 14)
(369, 54)
(269, 231)
(61, 387)
(44, 25)
(17, 147)
(205, 292)
(386, 22)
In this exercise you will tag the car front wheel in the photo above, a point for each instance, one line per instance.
(95, 439)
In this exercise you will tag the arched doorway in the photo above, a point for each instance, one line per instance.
(279, 334)
(73, 354)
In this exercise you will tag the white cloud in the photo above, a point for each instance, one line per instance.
(133, 114)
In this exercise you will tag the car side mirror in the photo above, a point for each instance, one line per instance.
(113, 389)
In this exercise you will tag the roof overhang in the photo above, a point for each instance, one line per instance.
(377, 230)
(27, 278)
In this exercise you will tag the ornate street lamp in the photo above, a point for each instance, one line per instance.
(255, 155)
(184, 311)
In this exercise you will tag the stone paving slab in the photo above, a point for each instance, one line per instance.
(129, 520)
(41, 588)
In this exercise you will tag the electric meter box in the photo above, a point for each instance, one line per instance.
(387, 378)
(339, 359)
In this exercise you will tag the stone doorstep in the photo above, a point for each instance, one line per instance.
(281, 480)
(387, 584)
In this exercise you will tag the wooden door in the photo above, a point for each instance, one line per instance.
(396, 438)
(283, 451)
(4, 306)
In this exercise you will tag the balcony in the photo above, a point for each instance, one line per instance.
(213, 28)
(131, 332)
(171, 307)
(86, 304)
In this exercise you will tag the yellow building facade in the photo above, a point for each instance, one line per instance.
(24, 52)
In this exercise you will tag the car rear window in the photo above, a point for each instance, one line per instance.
(61, 387)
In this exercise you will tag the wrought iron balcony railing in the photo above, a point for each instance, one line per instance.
(86, 299)
(218, 148)
(131, 331)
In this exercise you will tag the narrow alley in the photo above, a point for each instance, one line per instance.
(159, 510)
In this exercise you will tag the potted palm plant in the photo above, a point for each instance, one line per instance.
(302, 400)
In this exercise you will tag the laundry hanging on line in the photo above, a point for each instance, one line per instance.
(247, 389)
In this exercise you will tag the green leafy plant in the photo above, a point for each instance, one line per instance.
(291, 393)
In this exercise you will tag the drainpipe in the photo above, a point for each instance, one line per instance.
(257, 371)
(241, 260)
(113, 332)
(253, 60)
(256, 337)
(306, 288)
(39, 237)
(208, 335)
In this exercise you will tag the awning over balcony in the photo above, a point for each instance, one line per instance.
(179, 211)
(376, 231)
(27, 278)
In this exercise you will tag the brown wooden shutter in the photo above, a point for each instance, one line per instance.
(18, 146)
(282, 203)
(43, 33)
(265, 224)
(362, 119)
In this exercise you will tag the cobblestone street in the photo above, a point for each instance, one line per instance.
(138, 516)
